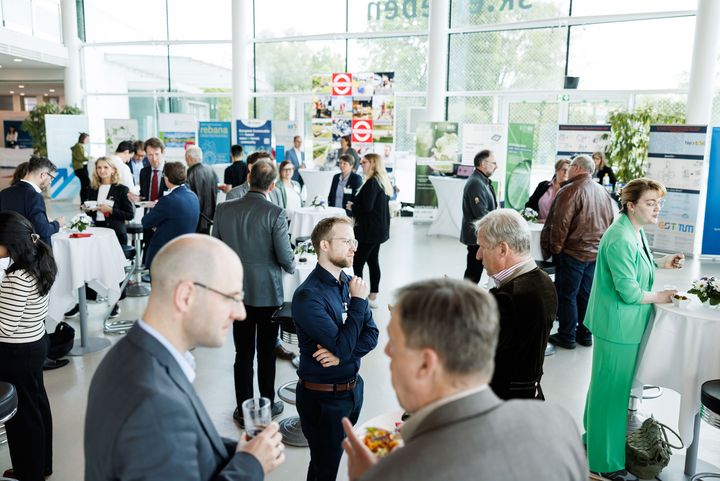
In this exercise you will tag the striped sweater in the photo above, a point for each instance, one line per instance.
(22, 309)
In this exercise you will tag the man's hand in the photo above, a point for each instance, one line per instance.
(267, 447)
(225, 187)
(133, 197)
(60, 220)
(325, 357)
(360, 458)
(359, 288)
(348, 205)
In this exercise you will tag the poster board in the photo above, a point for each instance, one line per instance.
(254, 135)
(436, 150)
(117, 130)
(285, 132)
(520, 143)
(62, 133)
(711, 225)
(214, 140)
(493, 137)
(176, 131)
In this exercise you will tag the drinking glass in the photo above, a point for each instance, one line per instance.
(257, 413)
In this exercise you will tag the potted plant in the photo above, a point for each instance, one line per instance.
(34, 124)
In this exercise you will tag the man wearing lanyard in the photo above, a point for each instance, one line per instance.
(335, 329)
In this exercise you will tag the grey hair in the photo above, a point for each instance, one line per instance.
(505, 225)
(456, 319)
(584, 163)
(195, 153)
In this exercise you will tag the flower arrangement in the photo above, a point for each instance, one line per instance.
(80, 222)
(707, 289)
(317, 202)
(529, 214)
(304, 248)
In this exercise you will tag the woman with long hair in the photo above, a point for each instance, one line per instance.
(347, 148)
(24, 296)
(602, 169)
(113, 206)
(542, 199)
(372, 220)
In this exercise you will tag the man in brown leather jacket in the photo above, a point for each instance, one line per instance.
(581, 213)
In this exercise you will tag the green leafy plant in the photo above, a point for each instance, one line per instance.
(629, 138)
(34, 124)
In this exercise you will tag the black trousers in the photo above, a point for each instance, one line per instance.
(29, 432)
(474, 268)
(255, 331)
(84, 178)
(321, 416)
(368, 253)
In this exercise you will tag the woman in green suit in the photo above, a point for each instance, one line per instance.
(618, 311)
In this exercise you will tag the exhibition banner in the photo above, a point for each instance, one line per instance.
(436, 150)
(676, 157)
(62, 133)
(24, 141)
(493, 137)
(285, 132)
(520, 143)
(575, 140)
(214, 138)
(117, 130)
(711, 230)
(176, 131)
(254, 135)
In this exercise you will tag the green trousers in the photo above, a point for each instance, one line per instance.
(606, 407)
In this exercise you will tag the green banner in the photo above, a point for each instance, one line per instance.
(519, 164)
(436, 149)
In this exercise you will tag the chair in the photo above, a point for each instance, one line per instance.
(289, 427)
(710, 413)
(8, 408)
(135, 288)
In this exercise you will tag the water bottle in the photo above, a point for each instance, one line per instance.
(606, 183)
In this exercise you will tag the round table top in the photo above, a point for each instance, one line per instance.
(694, 310)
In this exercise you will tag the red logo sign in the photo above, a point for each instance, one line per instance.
(342, 84)
(362, 131)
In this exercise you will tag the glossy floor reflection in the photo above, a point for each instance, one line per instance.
(410, 255)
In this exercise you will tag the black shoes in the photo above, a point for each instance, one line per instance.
(284, 354)
(560, 342)
(585, 342)
(72, 312)
(115, 312)
(277, 408)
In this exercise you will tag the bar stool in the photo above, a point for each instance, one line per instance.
(122, 326)
(289, 427)
(135, 287)
(8, 408)
(710, 413)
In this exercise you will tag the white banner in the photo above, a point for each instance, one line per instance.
(62, 133)
(117, 130)
(176, 131)
(574, 140)
(493, 137)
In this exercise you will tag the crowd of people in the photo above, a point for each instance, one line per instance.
(458, 353)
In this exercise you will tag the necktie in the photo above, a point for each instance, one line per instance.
(154, 186)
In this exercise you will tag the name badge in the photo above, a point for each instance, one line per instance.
(347, 190)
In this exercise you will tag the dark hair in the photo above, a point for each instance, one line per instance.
(263, 174)
(284, 163)
(633, 190)
(137, 146)
(297, 137)
(255, 156)
(82, 137)
(481, 156)
(236, 151)
(176, 172)
(560, 163)
(125, 145)
(155, 143)
(347, 158)
(347, 139)
(323, 229)
(20, 172)
(37, 163)
(27, 251)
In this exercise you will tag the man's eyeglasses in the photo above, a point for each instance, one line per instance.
(348, 242)
(52, 177)
(238, 298)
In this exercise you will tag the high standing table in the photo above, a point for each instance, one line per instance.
(448, 219)
(317, 183)
(98, 261)
(680, 352)
(304, 219)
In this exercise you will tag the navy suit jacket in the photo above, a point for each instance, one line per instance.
(292, 157)
(26, 201)
(354, 182)
(174, 215)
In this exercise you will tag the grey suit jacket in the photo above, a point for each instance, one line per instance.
(480, 437)
(257, 230)
(478, 200)
(144, 421)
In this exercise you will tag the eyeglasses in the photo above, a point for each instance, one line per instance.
(652, 204)
(52, 177)
(287, 169)
(238, 298)
(348, 242)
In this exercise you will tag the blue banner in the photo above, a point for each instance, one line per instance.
(711, 231)
(22, 138)
(214, 140)
(254, 135)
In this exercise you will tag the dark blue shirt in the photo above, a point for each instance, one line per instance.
(318, 308)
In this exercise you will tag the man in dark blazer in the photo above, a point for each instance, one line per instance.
(26, 198)
(344, 185)
(478, 199)
(526, 299)
(236, 173)
(257, 230)
(144, 420)
(442, 337)
(297, 157)
(203, 181)
(175, 214)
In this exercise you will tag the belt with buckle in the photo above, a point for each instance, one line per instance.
(342, 387)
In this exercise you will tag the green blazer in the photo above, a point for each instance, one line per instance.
(78, 156)
(623, 272)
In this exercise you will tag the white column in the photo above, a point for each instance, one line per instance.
(73, 86)
(437, 59)
(241, 42)
(704, 60)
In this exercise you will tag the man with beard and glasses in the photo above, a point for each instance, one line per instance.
(335, 328)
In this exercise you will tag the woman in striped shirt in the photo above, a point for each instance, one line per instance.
(24, 293)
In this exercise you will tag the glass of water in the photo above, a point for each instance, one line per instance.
(257, 413)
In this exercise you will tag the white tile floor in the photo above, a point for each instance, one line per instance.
(409, 255)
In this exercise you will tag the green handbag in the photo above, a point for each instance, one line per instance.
(647, 450)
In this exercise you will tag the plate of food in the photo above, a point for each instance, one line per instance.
(382, 441)
(680, 300)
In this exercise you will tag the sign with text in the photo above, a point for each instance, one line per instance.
(492, 137)
(176, 131)
(214, 140)
(711, 230)
(254, 135)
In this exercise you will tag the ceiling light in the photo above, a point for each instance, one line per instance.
(45, 95)
(21, 86)
(22, 94)
(17, 60)
(12, 91)
(52, 91)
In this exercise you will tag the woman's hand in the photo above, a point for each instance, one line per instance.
(664, 297)
(673, 261)
(105, 209)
